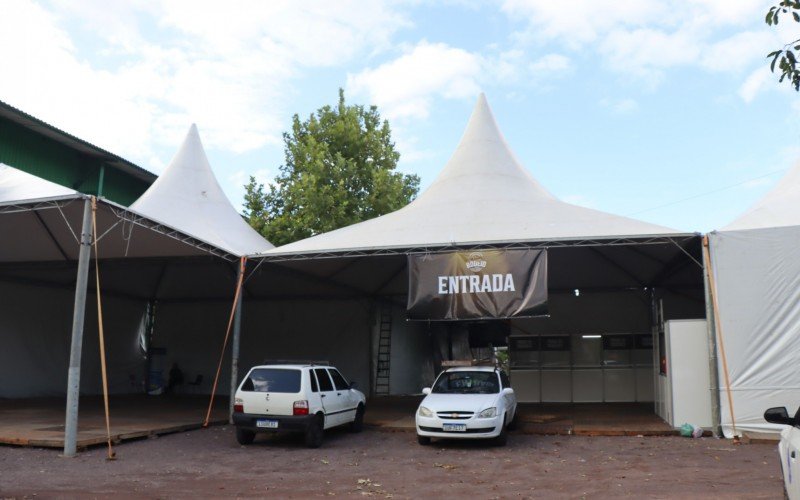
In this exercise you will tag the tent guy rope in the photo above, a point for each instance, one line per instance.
(718, 327)
(236, 298)
(101, 333)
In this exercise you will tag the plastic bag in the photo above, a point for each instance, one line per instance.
(697, 432)
(687, 430)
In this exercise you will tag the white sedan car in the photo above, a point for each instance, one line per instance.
(788, 449)
(473, 402)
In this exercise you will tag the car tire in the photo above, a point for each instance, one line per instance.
(502, 438)
(513, 424)
(423, 440)
(244, 437)
(357, 425)
(314, 432)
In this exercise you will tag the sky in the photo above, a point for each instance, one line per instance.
(664, 111)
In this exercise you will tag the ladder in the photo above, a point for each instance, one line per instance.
(384, 351)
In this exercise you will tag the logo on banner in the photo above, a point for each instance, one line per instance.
(475, 262)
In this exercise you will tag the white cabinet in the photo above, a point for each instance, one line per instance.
(684, 392)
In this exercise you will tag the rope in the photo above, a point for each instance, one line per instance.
(718, 328)
(111, 454)
(242, 263)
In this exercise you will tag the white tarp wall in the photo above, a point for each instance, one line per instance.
(35, 334)
(757, 275)
(331, 330)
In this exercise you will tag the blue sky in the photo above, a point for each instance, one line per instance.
(664, 111)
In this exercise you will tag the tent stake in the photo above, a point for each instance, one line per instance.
(74, 374)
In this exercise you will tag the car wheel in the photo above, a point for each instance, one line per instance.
(243, 436)
(423, 440)
(513, 424)
(314, 432)
(357, 425)
(502, 438)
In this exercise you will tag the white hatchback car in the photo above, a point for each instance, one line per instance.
(475, 402)
(305, 398)
(788, 449)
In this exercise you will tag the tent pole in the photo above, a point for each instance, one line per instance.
(74, 374)
(237, 330)
(716, 415)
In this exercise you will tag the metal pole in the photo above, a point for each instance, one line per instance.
(74, 374)
(237, 329)
(716, 413)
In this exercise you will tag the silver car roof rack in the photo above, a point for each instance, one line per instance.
(295, 362)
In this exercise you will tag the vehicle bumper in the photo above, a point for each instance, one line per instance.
(477, 428)
(286, 423)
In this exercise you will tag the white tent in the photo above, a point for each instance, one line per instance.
(18, 185)
(756, 262)
(483, 195)
(187, 196)
(485, 199)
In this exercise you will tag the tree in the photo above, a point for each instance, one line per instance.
(339, 169)
(785, 58)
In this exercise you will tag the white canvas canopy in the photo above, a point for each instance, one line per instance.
(756, 262)
(18, 185)
(483, 195)
(484, 198)
(187, 196)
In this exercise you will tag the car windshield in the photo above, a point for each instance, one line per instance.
(466, 382)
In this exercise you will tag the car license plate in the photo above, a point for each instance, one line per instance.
(268, 424)
(454, 427)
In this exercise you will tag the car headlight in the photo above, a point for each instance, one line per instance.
(424, 412)
(488, 413)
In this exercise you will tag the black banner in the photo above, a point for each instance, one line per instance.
(477, 284)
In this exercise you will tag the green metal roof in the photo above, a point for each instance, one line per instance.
(30, 144)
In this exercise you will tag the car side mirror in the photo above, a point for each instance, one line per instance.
(508, 390)
(353, 384)
(426, 391)
(778, 415)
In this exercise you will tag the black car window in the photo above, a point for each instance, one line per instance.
(313, 378)
(325, 383)
(504, 380)
(273, 380)
(338, 379)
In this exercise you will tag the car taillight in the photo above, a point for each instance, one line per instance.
(300, 408)
(238, 405)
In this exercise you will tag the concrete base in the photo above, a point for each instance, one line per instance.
(40, 422)
(592, 419)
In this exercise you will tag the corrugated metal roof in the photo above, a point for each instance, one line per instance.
(24, 119)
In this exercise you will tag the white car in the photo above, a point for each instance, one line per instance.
(788, 449)
(305, 398)
(475, 402)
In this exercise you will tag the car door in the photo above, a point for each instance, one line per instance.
(791, 461)
(345, 397)
(327, 396)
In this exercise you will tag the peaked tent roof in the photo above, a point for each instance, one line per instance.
(17, 185)
(188, 197)
(779, 207)
(482, 196)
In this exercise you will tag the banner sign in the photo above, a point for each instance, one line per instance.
(477, 285)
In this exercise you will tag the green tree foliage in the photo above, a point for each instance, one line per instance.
(786, 58)
(339, 169)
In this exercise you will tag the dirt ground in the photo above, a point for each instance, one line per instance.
(210, 464)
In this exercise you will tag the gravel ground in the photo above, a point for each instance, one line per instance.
(210, 464)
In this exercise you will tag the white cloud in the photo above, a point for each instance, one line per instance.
(132, 77)
(551, 63)
(644, 38)
(406, 86)
(757, 81)
(621, 106)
